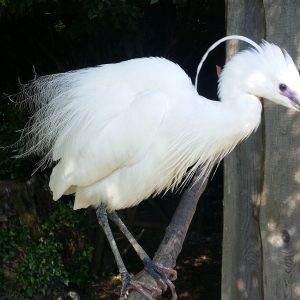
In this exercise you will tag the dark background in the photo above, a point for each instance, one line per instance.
(46, 249)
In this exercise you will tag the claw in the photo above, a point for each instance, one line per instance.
(158, 272)
(172, 274)
(128, 285)
(172, 289)
(161, 283)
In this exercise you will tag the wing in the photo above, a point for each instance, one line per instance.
(96, 120)
(101, 146)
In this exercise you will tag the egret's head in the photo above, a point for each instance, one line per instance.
(274, 76)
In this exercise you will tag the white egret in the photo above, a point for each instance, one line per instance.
(119, 133)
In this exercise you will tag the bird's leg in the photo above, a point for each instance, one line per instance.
(127, 282)
(156, 271)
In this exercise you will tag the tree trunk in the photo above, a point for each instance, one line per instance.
(261, 198)
(172, 242)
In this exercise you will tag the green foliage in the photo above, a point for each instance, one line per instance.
(41, 268)
(32, 267)
(77, 226)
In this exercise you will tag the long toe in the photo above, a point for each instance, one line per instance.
(166, 283)
(159, 273)
(172, 289)
(172, 274)
(128, 284)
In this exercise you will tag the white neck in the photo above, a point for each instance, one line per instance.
(238, 98)
(243, 114)
(209, 138)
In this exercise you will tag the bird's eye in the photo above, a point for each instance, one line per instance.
(282, 87)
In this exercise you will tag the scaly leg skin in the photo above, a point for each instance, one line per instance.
(127, 282)
(156, 271)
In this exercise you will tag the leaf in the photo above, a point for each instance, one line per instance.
(154, 2)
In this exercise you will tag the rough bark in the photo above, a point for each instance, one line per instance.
(280, 208)
(261, 203)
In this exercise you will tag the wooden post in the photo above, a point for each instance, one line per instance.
(280, 207)
(261, 244)
(241, 263)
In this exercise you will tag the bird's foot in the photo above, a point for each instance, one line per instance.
(161, 274)
(129, 284)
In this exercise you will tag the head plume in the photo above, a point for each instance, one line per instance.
(217, 43)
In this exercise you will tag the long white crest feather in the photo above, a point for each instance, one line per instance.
(217, 43)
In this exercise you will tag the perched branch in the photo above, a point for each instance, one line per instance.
(172, 242)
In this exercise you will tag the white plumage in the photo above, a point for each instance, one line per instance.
(119, 133)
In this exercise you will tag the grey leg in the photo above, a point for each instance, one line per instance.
(103, 221)
(127, 283)
(157, 272)
(139, 250)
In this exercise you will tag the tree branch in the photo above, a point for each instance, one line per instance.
(172, 242)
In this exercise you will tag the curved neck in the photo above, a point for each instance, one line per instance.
(239, 84)
(242, 108)
(244, 113)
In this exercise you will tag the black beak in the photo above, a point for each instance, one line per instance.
(295, 101)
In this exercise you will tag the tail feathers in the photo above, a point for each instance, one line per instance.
(59, 183)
